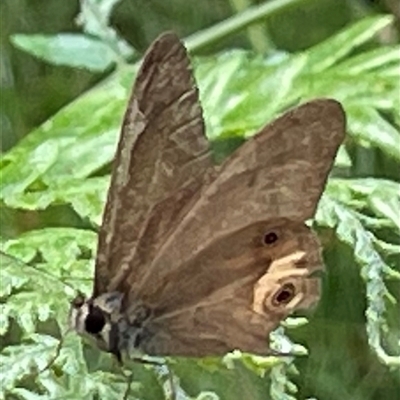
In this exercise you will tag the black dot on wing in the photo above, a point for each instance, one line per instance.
(270, 238)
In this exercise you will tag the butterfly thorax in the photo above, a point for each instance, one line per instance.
(101, 320)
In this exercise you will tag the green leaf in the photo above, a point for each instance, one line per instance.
(48, 166)
(41, 291)
(68, 49)
(373, 60)
(95, 13)
(381, 197)
(369, 128)
(350, 230)
(95, 17)
(329, 52)
(239, 93)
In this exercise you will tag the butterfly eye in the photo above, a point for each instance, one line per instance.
(285, 295)
(270, 238)
(78, 301)
(95, 321)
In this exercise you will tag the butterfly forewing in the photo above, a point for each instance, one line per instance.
(162, 146)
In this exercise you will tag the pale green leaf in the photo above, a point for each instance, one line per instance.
(329, 52)
(369, 128)
(68, 49)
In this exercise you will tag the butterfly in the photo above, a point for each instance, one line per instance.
(196, 259)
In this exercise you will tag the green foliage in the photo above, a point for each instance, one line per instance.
(353, 337)
(98, 48)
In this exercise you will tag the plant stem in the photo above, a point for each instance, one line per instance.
(236, 23)
(256, 33)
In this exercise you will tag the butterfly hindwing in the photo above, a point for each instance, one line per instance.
(235, 292)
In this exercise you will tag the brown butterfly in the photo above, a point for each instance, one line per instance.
(196, 259)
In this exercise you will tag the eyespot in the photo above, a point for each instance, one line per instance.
(270, 238)
(95, 321)
(284, 295)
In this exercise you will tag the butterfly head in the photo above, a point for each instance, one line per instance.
(97, 319)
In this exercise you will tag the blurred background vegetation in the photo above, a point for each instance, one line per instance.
(66, 71)
(33, 89)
